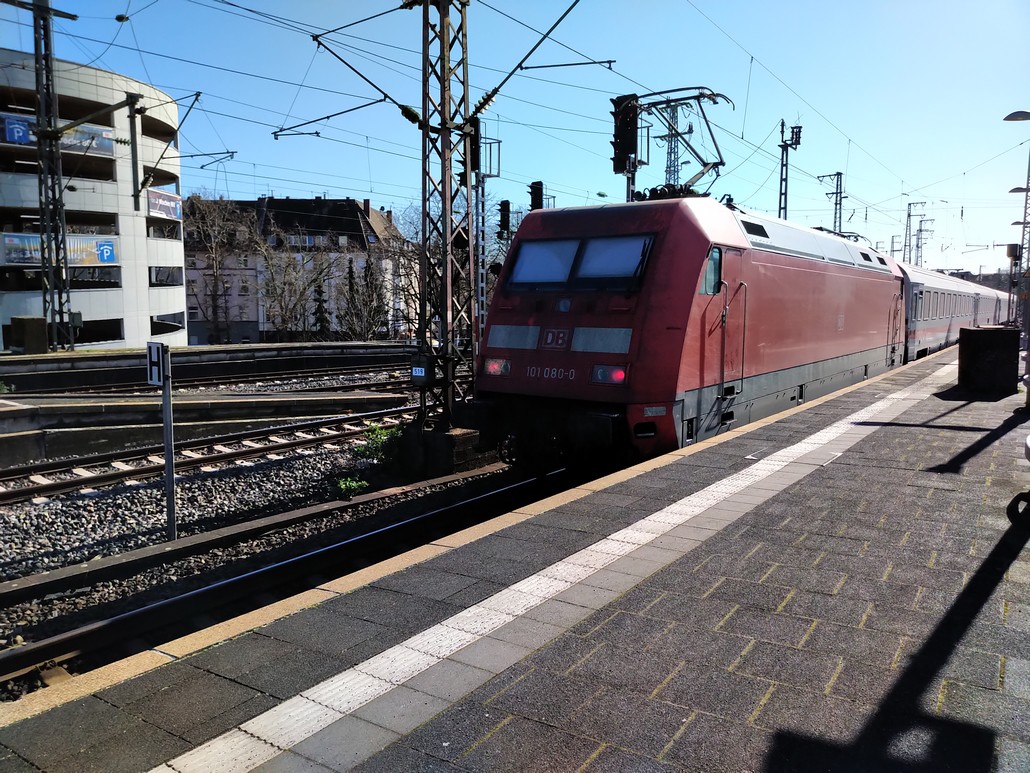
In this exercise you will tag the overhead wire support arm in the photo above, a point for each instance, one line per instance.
(287, 131)
(606, 62)
(223, 155)
(228, 155)
(663, 108)
(489, 97)
(148, 179)
(701, 92)
(406, 110)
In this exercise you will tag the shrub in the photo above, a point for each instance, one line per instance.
(380, 444)
(351, 487)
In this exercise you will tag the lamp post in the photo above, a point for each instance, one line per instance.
(1023, 115)
(1024, 258)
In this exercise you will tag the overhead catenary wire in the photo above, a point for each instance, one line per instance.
(306, 89)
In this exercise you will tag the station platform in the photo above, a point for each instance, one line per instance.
(843, 587)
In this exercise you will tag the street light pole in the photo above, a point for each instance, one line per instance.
(1023, 115)
(1024, 257)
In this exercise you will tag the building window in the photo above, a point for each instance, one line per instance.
(244, 287)
(167, 323)
(96, 330)
(243, 261)
(194, 313)
(16, 280)
(165, 276)
(95, 277)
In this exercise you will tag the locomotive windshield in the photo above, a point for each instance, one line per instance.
(602, 263)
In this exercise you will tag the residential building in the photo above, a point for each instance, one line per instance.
(276, 269)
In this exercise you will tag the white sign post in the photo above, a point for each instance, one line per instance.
(159, 373)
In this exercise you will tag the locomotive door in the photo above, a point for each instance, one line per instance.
(734, 327)
(723, 349)
(894, 332)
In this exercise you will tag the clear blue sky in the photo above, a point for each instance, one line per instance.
(905, 97)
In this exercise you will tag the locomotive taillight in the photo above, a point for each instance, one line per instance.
(608, 374)
(495, 366)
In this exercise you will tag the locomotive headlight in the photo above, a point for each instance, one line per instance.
(608, 374)
(495, 366)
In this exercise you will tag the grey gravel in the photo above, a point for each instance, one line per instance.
(36, 537)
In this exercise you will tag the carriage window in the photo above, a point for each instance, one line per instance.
(713, 272)
(918, 312)
(544, 262)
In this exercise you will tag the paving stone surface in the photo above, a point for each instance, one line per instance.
(871, 608)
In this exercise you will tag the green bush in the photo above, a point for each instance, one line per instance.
(380, 444)
(351, 487)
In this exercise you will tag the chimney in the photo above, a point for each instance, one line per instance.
(389, 216)
(367, 206)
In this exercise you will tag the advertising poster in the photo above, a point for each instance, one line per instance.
(83, 250)
(163, 204)
(87, 138)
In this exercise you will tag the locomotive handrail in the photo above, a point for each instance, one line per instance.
(743, 336)
(894, 329)
(722, 359)
(743, 340)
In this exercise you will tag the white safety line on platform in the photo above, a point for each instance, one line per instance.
(269, 734)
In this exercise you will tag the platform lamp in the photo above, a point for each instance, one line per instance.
(1025, 224)
(1024, 260)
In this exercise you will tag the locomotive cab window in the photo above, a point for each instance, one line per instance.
(603, 263)
(544, 263)
(614, 263)
(713, 272)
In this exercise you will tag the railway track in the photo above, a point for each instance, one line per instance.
(147, 618)
(42, 479)
(299, 377)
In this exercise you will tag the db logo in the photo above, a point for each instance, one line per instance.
(556, 339)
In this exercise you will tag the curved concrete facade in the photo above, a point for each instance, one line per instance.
(125, 264)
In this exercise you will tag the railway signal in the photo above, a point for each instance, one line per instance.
(536, 194)
(627, 117)
(504, 222)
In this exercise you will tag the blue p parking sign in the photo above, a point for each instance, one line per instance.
(105, 252)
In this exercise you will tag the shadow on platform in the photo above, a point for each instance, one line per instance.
(900, 736)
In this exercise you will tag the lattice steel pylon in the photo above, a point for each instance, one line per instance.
(447, 274)
(906, 247)
(672, 151)
(52, 227)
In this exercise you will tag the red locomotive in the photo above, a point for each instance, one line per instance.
(647, 326)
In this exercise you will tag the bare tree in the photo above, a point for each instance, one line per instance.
(217, 233)
(296, 270)
(362, 313)
(404, 259)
